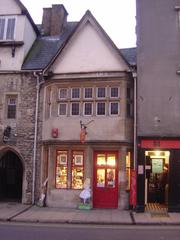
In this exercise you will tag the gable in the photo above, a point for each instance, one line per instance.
(9, 7)
(89, 51)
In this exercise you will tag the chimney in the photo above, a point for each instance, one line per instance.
(54, 19)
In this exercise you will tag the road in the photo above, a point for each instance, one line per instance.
(14, 231)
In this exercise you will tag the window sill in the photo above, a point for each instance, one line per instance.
(11, 43)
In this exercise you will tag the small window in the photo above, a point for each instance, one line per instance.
(63, 92)
(101, 108)
(62, 109)
(77, 170)
(130, 109)
(101, 92)
(88, 93)
(88, 109)
(129, 93)
(114, 92)
(61, 169)
(75, 109)
(114, 108)
(7, 28)
(75, 93)
(11, 107)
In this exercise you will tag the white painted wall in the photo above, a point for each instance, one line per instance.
(23, 32)
(89, 51)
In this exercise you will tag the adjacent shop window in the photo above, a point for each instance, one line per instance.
(11, 107)
(74, 174)
(61, 169)
(114, 108)
(128, 169)
(62, 109)
(77, 170)
(88, 108)
(88, 93)
(101, 108)
(7, 28)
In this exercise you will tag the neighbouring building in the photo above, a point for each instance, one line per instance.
(66, 109)
(17, 103)
(158, 103)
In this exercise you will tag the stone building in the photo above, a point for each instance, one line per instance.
(17, 103)
(74, 121)
(158, 101)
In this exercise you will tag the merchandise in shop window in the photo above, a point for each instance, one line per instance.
(61, 170)
(77, 170)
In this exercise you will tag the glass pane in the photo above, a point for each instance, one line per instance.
(77, 177)
(88, 109)
(101, 92)
(62, 109)
(75, 92)
(10, 29)
(61, 177)
(2, 25)
(114, 92)
(63, 93)
(88, 93)
(111, 160)
(75, 109)
(101, 108)
(114, 108)
(100, 177)
(101, 159)
(111, 178)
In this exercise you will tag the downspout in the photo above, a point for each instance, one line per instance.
(134, 73)
(39, 82)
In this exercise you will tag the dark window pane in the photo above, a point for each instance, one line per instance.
(88, 93)
(101, 92)
(75, 109)
(101, 108)
(88, 109)
(114, 108)
(114, 92)
(2, 25)
(62, 109)
(11, 113)
(75, 92)
(10, 28)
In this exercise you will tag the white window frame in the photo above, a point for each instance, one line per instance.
(118, 92)
(85, 90)
(84, 109)
(61, 115)
(110, 109)
(97, 93)
(63, 98)
(72, 93)
(79, 109)
(97, 109)
(7, 18)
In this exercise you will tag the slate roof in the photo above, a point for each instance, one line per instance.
(130, 55)
(46, 47)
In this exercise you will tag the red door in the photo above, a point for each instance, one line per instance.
(105, 187)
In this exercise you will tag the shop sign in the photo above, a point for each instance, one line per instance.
(133, 188)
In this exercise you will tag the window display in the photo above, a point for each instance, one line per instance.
(77, 170)
(61, 169)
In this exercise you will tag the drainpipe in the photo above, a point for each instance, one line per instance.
(39, 82)
(134, 73)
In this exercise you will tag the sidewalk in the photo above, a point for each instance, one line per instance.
(15, 212)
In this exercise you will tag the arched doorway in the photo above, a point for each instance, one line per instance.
(11, 172)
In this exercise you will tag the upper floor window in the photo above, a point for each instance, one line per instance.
(101, 92)
(88, 92)
(11, 107)
(7, 28)
(63, 93)
(114, 92)
(75, 93)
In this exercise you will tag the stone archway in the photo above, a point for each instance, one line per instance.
(11, 177)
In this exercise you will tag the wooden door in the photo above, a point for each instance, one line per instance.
(105, 190)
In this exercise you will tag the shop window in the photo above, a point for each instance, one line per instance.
(128, 169)
(7, 27)
(88, 107)
(77, 170)
(61, 169)
(11, 107)
(75, 93)
(88, 93)
(101, 108)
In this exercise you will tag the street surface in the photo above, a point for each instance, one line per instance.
(17, 231)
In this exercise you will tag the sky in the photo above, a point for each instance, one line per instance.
(117, 17)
